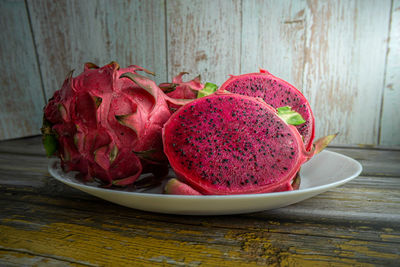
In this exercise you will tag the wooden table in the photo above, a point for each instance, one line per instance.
(46, 223)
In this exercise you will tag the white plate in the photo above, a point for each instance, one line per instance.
(323, 172)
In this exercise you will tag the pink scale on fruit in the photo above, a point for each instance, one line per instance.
(102, 121)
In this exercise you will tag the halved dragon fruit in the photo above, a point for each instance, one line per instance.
(106, 123)
(233, 144)
(277, 93)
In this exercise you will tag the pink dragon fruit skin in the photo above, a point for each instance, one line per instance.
(179, 89)
(232, 144)
(277, 93)
(104, 118)
(176, 187)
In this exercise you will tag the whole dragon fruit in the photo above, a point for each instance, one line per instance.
(277, 93)
(233, 144)
(106, 123)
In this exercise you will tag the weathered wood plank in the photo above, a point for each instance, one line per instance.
(354, 224)
(366, 200)
(344, 67)
(204, 38)
(390, 124)
(21, 162)
(374, 161)
(70, 33)
(28, 146)
(217, 240)
(273, 38)
(21, 257)
(21, 96)
(285, 220)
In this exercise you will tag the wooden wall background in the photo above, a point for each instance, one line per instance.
(344, 55)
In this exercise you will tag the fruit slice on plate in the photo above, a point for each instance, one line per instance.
(233, 144)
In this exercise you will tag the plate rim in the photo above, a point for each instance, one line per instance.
(309, 190)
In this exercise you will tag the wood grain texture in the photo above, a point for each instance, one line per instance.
(28, 146)
(70, 33)
(375, 162)
(344, 67)
(321, 231)
(273, 38)
(343, 55)
(21, 97)
(390, 125)
(204, 38)
(43, 221)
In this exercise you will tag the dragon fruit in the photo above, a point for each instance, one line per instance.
(233, 144)
(179, 89)
(106, 124)
(276, 93)
(176, 187)
(182, 90)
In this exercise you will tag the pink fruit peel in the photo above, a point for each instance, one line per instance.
(100, 121)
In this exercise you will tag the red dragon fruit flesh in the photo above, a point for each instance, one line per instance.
(277, 93)
(233, 144)
(106, 124)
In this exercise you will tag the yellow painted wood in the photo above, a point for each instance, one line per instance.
(85, 244)
(93, 242)
(22, 257)
(353, 225)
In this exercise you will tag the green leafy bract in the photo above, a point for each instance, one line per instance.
(209, 88)
(290, 116)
